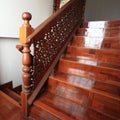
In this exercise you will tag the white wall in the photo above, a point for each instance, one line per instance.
(10, 58)
(11, 10)
(10, 61)
(102, 10)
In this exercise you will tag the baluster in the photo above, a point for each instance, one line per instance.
(26, 30)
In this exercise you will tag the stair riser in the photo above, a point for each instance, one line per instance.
(94, 115)
(106, 105)
(79, 96)
(111, 45)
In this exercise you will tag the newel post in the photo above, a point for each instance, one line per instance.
(26, 30)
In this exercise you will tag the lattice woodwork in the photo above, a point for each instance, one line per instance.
(49, 40)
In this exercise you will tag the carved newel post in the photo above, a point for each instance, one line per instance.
(26, 30)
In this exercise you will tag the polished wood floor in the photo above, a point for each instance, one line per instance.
(86, 83)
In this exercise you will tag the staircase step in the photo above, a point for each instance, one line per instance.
(66, 109)
(9, 109)
(40, 114)
(13, 95)
(96, 42)
(94, 32)
(60, 107)
(102, 73)
(84, 82)
(106, 105)
(18, 89)
(101, 24)
(93, 64)
(57, 86)
(100, 56)
(9, 99)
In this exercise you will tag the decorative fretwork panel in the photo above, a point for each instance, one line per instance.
(49, 40)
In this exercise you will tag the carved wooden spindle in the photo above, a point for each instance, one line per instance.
(26, 30)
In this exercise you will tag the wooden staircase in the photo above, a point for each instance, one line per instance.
(86, 82)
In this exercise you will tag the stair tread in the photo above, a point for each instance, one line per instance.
(13, 95)
(84, 83)
(71, 110)
(92, 62)
(86, 76)
(96, 42)
(103, 73)
(99, 57)
(40, 114)
(103, 51)
(96, 32)
(110, 50)
(9, 98)
(101, 24)
(9, 109)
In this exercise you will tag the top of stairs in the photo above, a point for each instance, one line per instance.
(101, 24)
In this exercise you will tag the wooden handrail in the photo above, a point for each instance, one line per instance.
(49, 40)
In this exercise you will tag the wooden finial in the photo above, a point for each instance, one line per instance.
(25, 29)
(26, 16)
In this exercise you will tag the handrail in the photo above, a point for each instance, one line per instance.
(49, 40)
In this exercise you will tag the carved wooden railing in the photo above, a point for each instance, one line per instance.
(49, 42)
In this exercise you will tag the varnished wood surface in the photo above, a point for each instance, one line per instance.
(8, 110)
(96, 42)
(73, 110)
(101, 24)
(86, 84)
(95, 32)
(40, 114)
